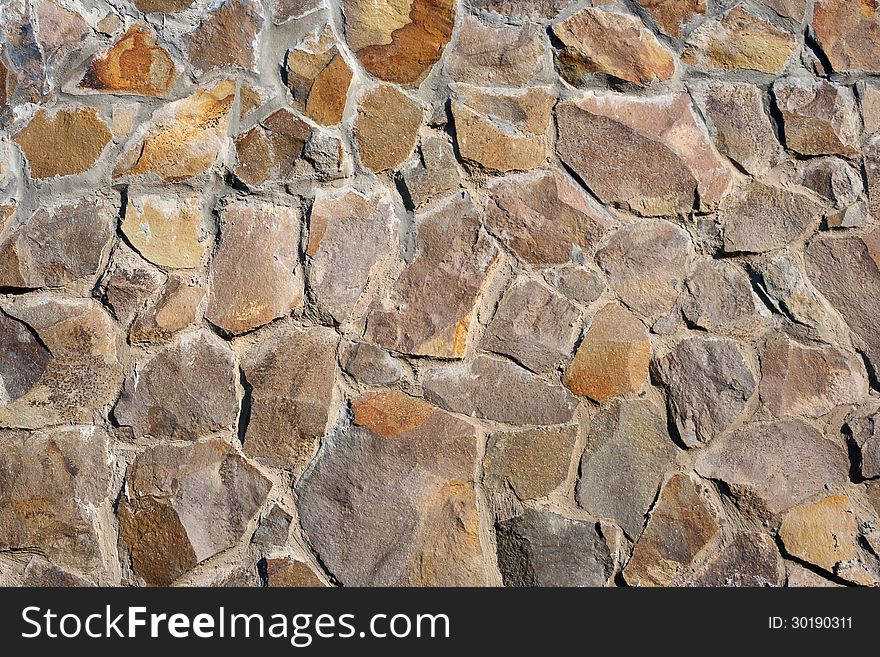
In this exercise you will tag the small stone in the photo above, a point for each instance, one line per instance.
(823, 534)
(166, 231)
(129, 283)
(123, 118)
(350, 235)
(184, 392)
(820, 118)
(290, 387)
(387, 502)
(371, 365)
(534, 326)
(544, 218)
(162, 6)
(428, 311)
(40, 573)
(274, 529)
(534, 9)
(542, 548)
(739, 40)
(871, 161)
(618, 45)
(399, 40)
(175, 310)
(226, 37)
(681, 525)
(135, 64)
(64, 142)
(848, 33)
(498, 390)
(531, 462)
(271, 150)
(185, 137)
(250, 99)
(57, 246)
(709, 383)
(110, 24)
(796, 9)
(487, 55)
(771, 466)
(256, 273)
(671, 15)
(432, 174)
(386, 128)
(646, 263)
(577, 283)
(866, 433)
(868, 92)
(766, 218)
(613, 357)
(719, 298)
(327, 157)
(285, 10)
(23, 359)
(290, 573)
(184, 504)
(834, 179)
(318, 78)
(750, 560)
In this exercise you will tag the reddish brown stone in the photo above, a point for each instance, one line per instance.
(848, 32)
(226, 37)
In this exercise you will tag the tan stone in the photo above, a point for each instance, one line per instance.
(318, 78)
(272, 150)
(823, 534)
(162, 6)
(166, 231)
(485, 54)
(129, 282)
(285, 10)
(290, 573)
(59, 31)
(796, 9)
(820, 118)
(848, 31)
(226, 36)
(64, 142)
(670, 15)
(386, 127)
(175, 309)
(532, 462)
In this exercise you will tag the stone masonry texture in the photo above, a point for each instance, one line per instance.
(439, 292)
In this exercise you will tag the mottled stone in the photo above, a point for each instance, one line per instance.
(270, 150)
(848, 32)
(59, 31)
(681, 525)
(502, 132)
(709, 382)
(534, 9)
(799, 577)
(371, 365)
(772, 466)
(868, 92)
(796, 9)
(671, 15)
(290, 573)
(318, 78)
(432, 174)
(719, 298)
(175, 309)
(23, 359)
(285, 10)
(740, 40)
(40, 573)
(386, 127)
(256, 270)
(349, 236)
(823, 534)
(166, 231)
(429, 309)
(646, 264)
(618, 45)
(490, 55)
(184, 504)
(289, 381)
(866, 433)
(226, 36)
(162, 6)
(498, 390)
(750, 560)
(274, 529)
(834, 179)
(543, 548)
(57, 246)
(819, 118)
(531, 462)
(184, 138)
(577, 283)
(134, 65)
(186, 391)
(129, 283)
(63, 142)
(544, 218)
(871, 161)
(649, 155)
(399, 40)
(855, 216)
(391, 501)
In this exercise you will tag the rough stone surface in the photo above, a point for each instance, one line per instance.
(175, 309)
(750, 560)
(289, 573)
(823, 533)
(318, 78)
(848, 33)
(386, 128)
(866, 432)
(432, 174)
(820, 118)
(532, 463)
(273, 149)
(719, 298)
(64, 142)
(495, 55)
(371, 365)
(225, 36)
(671, 15)
(167, 232)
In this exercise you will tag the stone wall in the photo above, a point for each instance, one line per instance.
(439, 292)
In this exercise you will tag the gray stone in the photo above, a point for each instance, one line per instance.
(40, 573)
(432, 174)
(371, 365)
(720, 299)
(820, 118)
(577, 283)
(834, 179)
(866, 432)
(487, 55)
(23, 358)
(274, 529)
(532, 462)
(750, 560)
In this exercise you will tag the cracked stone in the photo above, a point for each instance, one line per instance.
(226, 37)
(750, 560)
(719, 298)
(386, 128)
(819, 118)
(432, 174)
(532, 462)
(271, 150)
(23, 359)
(848, 33)
(129, 283)
(166, 231)
(488, 55)
(175, 309)
(318, 78)
(371, 365)
(823, 534)
(63, 142)
(834, 179)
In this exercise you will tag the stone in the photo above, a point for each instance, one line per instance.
(544, 218)
(866, 433)
(371, 365)
(184, 138)
(648, 155)
(530, 462)
(766, 218)
(162, 6)
(682, 524)
(533, 9)
(84, 375)
(271, 150)
(59, 32)
(285, 10)
(386, 128)
(743, 131)
(795, 9)
(823, 534)
(350, 236)
(498, 390)
(770, 467)
(543, 548)
(58, 245)
(175, 309)
(835, 180)
(184, 504)
(750, 560)
(429, 309)
(800, 577)
(185, 392)
(399, 40)
(612, 359)
(134, 65)
(855, 216)
(390, 501)
(290, 573)
(256, 270)
(739, 40)
(502, 132)
(129, 283)
(63, 142)
(819, 118)
(646, 264)
(23, 359)
(532, 325)
(799, 380)
(432, 174)
(53, 485)
(868, 93)
(708, 382)
(166, 231)
(226, 37)
(289, 385)
(618, 45)
(274, 529)
(719, 298)
(40, 573)
(488, 55)
(318, 78)
(671, 15)
(579, 284)
(848, 32)
(326, 156)
(871, 161)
